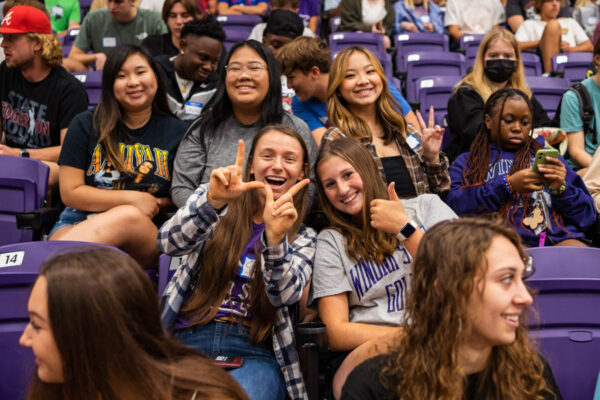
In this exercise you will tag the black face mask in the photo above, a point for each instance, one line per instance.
(499, 70)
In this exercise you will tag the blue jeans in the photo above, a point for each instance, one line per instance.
(260, 375)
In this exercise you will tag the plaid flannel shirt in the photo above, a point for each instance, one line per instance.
(287, 268)
(426, 177)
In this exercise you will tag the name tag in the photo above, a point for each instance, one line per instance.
(109, 41)
(412, 141)
(57, 12)
(193, 108)
(246, 269)
(592, 20)
(425, 19)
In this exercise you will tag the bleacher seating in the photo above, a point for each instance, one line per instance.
(23, 185)
(470, 44)
(548, 91)
(531, 63)
(92, 81)
(234, 36)
(431, 63)
(574, 65)
(410, 42)
(568, 282)
(371, 41)
(19, 267)
(241, 24)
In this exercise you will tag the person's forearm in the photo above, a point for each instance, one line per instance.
(86, 59)
(89, 198)
(582, 47)
(346, 336)
(529, 45)
(45, 154)
(313, 23)
(455, 32)
(580, 157)
(515, 22)
(258, 9)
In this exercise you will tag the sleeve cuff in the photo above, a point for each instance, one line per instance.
(274, 253)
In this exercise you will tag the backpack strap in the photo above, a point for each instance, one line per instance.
(586, 110)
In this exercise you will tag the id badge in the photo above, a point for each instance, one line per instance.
(109, 41)
(247, 265)
(412, 141)
(57, 12)
(193, 108)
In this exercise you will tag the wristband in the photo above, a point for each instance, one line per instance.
(24, 153)
(559, 191)
(507, 184)
(407, 230)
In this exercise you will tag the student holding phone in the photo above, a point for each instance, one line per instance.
(548, 207)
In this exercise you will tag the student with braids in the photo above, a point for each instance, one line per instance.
(546, 208)
(467, 337)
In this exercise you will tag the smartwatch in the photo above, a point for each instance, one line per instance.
(24, 153)
(407, 230)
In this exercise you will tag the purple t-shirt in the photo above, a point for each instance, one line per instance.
(242, 2)
(308, 9)
(236, 301)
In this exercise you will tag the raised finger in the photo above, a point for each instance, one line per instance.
(268, 195)
(239, 158)
(431, 117)
(221, 176)
(254, 185)
(279, 210)
(420, 119)
(297, 187)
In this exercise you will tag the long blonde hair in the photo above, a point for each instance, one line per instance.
(350, 124)
(480, 82)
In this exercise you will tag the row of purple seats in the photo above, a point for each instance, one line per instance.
(92, 81)
(237, 27)
(23, 185)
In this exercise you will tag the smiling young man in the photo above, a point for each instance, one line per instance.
(103, 30)
(39, 98)
(191, 81)
(552, 35)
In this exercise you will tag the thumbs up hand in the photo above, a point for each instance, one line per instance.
(388, 215)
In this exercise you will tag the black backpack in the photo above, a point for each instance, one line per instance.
(585, 110)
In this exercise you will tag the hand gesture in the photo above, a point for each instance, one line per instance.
(554, 172)
(564, 46)
(226, 183)
(432, 136)
(378, 28)
(280, 215)
(388, 215)
(526, 181)
(409, 26)
(144, 201)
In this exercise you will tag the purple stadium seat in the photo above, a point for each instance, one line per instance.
(71, 36)
(568, 330)
(548, 91)
(85, 7)
(431, 63)
(335, 23)
(23, 184)
(167, 266)
(19, 266)
(233, 36)
(411, 42)
(531, 64)
(241, 24)
(470, 44)
(435, 91)
(92, 81)
(372, 41)
(574, 65)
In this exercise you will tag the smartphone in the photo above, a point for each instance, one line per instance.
(228, 362)
(540, 157)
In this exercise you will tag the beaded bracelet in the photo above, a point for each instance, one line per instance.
(507, 184)
(559, 191)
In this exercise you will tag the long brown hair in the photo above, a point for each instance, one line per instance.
(479, 160)
(221, 254)
(108, 116)
(104, 317)
(478, 79)
(350, 124)
(362, 240)
(423, 364)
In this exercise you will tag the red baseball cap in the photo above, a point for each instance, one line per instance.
(25, 19)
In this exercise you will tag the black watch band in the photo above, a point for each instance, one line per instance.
(24, 153)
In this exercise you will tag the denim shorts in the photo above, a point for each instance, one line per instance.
(69, 216)
(260, 375)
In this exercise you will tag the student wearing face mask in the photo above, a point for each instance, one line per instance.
(497, 65)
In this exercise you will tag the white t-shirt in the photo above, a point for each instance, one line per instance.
(154, 5)
(572, 32)
(474, 16)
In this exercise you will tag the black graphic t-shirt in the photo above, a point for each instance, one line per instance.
(149, 154)
(33, 113)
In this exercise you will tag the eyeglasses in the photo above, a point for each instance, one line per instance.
(253, 68)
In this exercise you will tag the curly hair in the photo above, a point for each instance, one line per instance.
(51, 48)
(423, 363)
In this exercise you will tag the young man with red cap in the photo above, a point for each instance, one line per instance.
(39, 97)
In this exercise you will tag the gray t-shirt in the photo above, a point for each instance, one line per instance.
(198, 156)
(376, 293)
(101, 33)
